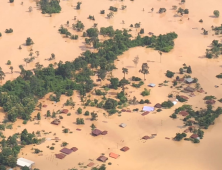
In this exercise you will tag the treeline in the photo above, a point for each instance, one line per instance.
(19, 97)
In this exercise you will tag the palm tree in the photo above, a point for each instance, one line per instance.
(2, 74)
(26, 60)
(11, 68)
(160, 55)
(145, 69)
(125, 71)
(37, 53)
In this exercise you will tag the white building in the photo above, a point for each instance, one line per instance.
(24, 162)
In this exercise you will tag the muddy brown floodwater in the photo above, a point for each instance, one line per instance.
(155, 154)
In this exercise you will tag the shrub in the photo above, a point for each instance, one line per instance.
(145, 92)
(138, 85)
(11, 1)
(0, 34)
(8, 62)
(102, 12)
(136, 78)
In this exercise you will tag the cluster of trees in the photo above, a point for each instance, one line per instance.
(215, 51)
(145, 92)
(10, 148)
(9, 30)
(204, 117)
(188, 69)
(138, 85)
(162, 10)
(167, 104)
(50, 7)
(80, 121)
(19, 97)
(180, 136)
(183, 11)
(91, 17)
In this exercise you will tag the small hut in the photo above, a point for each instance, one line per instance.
(56, 122)
(60, 156)
(102, 158)
(123, 125)
(146, 137)
(194, 136)
(125, 148)
(96, 132)
(158, 105)
(74, 149)
(65, 111)
(189, 80)
(91, 164)
(104, 132)
(113, 155)
(210, 102)
(183, 113)
(184, 97)
(66, 151)
(145, 113)
(189, 89)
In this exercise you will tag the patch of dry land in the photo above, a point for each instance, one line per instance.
(98, 66)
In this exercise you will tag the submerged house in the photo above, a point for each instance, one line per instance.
(96, 132)
(56, 122)
(25, 162)
(102, 158)
(123, 125)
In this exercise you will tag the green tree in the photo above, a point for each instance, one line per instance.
(2, 74)
(94, 116)
(79, 110)
(216, 13)
(78, 5)
(125, 71)
(29, 41)
(189, 70)
(38, 116)
(123, 82)
(86, 113)
(79, 26)
(11, 68)
(25, 168)
(93, 126)
(48, 114)
(114, 83)
(145, 69)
